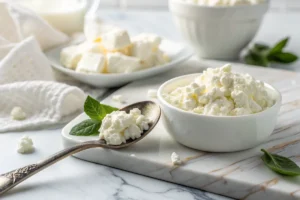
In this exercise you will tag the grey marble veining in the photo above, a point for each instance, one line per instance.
(240, 174)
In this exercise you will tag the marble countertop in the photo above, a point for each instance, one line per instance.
(75, 179)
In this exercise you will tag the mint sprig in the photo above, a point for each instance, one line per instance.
(86, 128)
(96, 111)
(263, 55)
(280, 164)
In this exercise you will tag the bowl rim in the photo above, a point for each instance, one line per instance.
(164, 102)
(182, 3)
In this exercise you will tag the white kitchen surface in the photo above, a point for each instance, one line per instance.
(240, 174)
(75, 179)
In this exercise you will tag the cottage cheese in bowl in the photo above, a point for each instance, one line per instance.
(219, 110)
(222, 92)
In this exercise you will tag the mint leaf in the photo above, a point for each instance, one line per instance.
(254, 58)
(260, 47)
(96, 110)
(279, 46)
(86, 128)
(283, 57)
(280, 164)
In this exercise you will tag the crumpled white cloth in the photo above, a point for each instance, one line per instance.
(18, 23)
(26, 77)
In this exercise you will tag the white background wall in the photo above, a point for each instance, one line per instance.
(276, 5)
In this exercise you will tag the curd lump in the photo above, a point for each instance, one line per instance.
(119, 126)
(25, 145)
(221, 92)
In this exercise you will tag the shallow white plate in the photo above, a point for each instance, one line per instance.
(176, 51)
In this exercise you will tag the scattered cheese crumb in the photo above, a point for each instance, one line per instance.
(17, 113)
(176, 159)
(118, 98)
(152, 93)
(25, 145)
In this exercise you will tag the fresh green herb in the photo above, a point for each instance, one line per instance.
(280, 164)
(86, 128)
(279, 46)
(263, 55)
(96, 111)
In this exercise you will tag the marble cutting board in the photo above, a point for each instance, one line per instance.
(240, 175)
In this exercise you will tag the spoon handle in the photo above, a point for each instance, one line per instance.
(13, 178)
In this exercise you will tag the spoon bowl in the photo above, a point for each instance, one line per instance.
(9, 180)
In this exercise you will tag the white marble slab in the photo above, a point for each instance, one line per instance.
(239, 175)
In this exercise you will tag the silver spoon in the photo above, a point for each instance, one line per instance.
(9, 180)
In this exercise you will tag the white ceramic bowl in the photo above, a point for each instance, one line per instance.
(176, 51)
(215, 133)
(218, 32)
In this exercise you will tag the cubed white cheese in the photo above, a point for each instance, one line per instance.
(141, 49)
(87, 46)
(152, 38)
(116, 39)
(160, 58)
(69, 56)
(91, 63)
(25, 145)
(94, 29)
(17, 113)
(119, 63)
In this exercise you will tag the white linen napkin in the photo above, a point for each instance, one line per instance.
(27, 81)
(26, 77)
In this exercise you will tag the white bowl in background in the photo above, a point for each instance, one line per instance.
(216, 133)
(219, 32)
(177, 52)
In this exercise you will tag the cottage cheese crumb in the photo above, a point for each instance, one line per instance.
(175, 159)
(118, 98)
(221, 92)
(17, 113)
(119, 126)
(152, 93)
(25, 145)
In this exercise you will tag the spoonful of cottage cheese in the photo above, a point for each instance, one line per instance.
(119, 126)
(221, 92)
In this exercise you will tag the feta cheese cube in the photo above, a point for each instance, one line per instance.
(119, 63)
(141, 49)
(91, 63)
(94, 29)
(160, 58)
(116, 39)
(69, 57)
(87, 46)
(152, 38)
